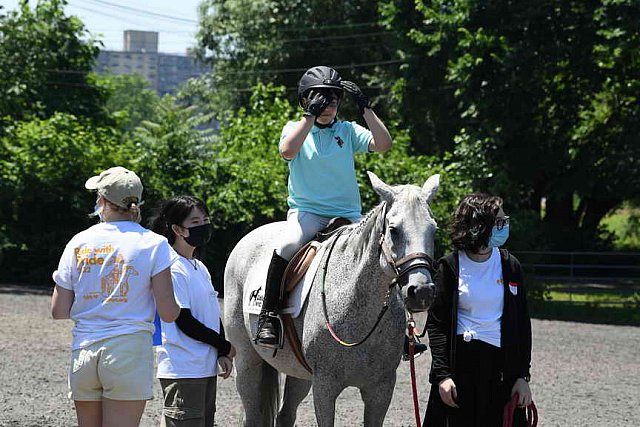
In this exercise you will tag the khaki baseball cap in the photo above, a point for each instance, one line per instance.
(118, 185)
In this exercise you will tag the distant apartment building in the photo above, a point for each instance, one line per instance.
(140, 55)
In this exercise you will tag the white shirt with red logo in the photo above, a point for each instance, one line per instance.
(480, 298)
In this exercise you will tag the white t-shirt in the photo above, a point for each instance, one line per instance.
(109, 268)
(181, 356)
(480, 298)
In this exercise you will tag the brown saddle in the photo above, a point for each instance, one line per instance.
(295, 271)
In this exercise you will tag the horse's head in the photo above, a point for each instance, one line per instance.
(407, 239)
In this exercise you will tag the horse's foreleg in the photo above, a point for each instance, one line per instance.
(376, 398)
(295, 390)
(325, 393)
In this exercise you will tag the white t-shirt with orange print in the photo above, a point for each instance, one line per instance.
(109, 268)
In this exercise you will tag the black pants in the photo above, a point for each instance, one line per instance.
(481, 392)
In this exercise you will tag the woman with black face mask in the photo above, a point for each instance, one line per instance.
(195, 342)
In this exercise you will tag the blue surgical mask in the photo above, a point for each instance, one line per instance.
(498, 237)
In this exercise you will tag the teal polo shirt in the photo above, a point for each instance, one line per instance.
(322, 176)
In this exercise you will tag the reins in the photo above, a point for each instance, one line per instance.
(400, 269)
(385, 305)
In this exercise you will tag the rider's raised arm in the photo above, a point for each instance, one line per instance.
(291, 143)
(381, 138)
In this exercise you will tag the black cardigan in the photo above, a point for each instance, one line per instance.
(515, 322)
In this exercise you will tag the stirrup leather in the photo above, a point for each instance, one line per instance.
(261, 322)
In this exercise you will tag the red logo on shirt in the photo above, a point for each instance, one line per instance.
(513, 287)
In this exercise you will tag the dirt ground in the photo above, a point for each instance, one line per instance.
(582, 375)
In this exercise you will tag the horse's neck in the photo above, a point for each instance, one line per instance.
(363, 277)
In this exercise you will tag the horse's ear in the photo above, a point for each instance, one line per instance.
(385, 191)
(430, 187)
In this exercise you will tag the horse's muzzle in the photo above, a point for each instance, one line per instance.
(418, 297)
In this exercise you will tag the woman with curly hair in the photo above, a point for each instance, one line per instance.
(479, 326)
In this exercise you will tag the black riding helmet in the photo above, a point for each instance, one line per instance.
(319, 77)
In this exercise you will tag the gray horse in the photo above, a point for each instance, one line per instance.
(392, 245)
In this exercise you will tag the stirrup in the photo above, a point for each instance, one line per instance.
(261, 321)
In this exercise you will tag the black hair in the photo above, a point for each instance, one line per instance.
(175, 211)
(473, 220)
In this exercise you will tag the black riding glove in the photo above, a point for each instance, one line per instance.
(316, 103)
(360, 98)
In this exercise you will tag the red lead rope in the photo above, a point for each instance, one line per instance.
(510, 407)
(412, 343)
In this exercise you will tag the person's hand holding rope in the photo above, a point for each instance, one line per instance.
(524, 392)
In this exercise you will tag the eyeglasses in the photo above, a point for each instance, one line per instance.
(501, 222)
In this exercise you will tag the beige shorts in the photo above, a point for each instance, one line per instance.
(119, 368)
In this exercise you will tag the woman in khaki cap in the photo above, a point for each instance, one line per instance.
(110, 280)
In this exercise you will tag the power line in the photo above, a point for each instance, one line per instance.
(191, 21)
(341, 37)
(274, 71)
(143, 12)
(331, 27)
(297, 70)
(119, 18)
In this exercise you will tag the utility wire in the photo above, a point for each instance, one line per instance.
(272, 71)
(96, 12)
(340, 37)
(190, 21)
(144, 12)
(297, 70)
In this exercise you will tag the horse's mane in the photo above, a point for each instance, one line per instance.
(368, 229)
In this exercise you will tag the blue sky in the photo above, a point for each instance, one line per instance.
(176, 21)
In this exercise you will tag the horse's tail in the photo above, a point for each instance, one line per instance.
(269, 394)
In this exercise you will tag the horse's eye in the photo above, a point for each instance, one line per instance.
(393, 230)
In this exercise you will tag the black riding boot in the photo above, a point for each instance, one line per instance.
(268, 333)
(417, 349)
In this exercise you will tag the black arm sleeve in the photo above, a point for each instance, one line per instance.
(524, 327)
(439, 328)
(193, 328)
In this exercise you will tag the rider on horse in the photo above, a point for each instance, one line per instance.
(319, 150)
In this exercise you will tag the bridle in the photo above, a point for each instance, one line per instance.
(401, 268)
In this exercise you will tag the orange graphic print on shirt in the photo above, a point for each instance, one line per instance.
(118, 276)
(114, 286)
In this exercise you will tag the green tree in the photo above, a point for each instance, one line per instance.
(173, 152)
(276, 40)
(547, 97)
(44, 164)
(45, 64)
(130, 99)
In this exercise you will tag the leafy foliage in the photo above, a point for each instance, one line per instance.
(546, 94)
(130, 99)
(277, 40)
(45, 64)
(43, 166)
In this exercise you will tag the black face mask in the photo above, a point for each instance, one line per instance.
(199, 235)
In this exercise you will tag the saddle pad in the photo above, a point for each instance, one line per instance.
(253, 293)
